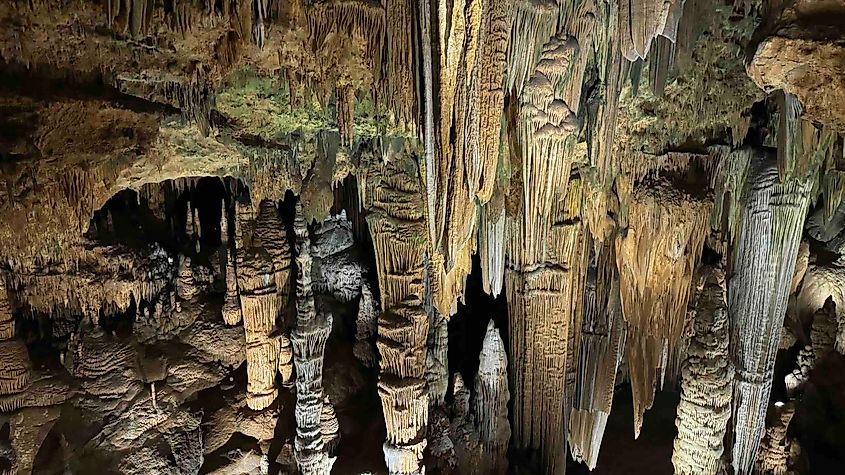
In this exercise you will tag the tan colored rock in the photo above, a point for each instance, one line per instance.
(776, 447)
(601, 352)
(813, 71)
(397, 225)
(16, 372)
(656, 258)
(491, 403)
(706, 390)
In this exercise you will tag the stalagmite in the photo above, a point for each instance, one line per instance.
(7, 319)
(820, 284)
(271, 233)
(15, 365)
(308, 339)
(656, 259)
(824, 330)
(776, 446)
(185, 286)
(398, 229)
(706, 391)
(365, 327)
(329, 428)
(491, 403)
(17, 368)
(602, 341)
(763, 266)
(259, 300)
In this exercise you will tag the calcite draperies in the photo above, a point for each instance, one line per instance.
(763, 263)
(602, 339)
(656, 258)
(545, 259)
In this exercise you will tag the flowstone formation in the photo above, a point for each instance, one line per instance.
(421, 236)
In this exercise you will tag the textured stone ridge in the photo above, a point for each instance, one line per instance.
(764, 263)
(706, 391)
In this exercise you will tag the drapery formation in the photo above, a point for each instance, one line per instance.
(764, 258)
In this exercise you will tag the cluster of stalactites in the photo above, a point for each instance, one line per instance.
(641, 21)
(764, 263)
(656, 259)
(706, 390)
(602, 340)
(308, 340)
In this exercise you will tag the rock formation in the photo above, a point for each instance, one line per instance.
(706, 391)
(217, 215)
(764, 259)
(308, 340)
(602, 343)
(657, 258)
(491, 403)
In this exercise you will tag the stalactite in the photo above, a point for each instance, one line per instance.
(705, 404)
(397, 225)
(231, 303)
(763, 263)
(437, 357)
(401, 57)
(656, 259)
(308, 339)
(602, 341)
(497, 18)
(641, 21)
(535, 21)
(491, 403)
(491, 247)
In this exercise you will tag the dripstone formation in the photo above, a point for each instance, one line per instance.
(422, 236)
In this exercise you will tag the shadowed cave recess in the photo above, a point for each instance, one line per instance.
(422, 236)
